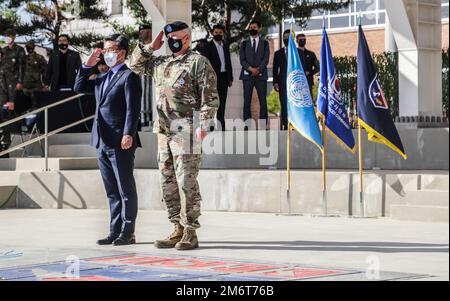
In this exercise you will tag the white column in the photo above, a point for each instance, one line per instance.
(416, 26)
(161, 13)
(389, 40)
(166, 11)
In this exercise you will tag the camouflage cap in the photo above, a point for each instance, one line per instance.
(174, 27)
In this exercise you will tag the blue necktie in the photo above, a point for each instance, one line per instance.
(107, 81)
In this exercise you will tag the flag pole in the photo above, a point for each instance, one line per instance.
(361, 176)
(361, 167)
(324, 169)
(289, 166)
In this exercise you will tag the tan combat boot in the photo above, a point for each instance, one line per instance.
(189, 241)
(172, 240)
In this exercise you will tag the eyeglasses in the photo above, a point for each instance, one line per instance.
(110, 50)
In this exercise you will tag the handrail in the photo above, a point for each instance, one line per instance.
(40, 110)
(46, 134)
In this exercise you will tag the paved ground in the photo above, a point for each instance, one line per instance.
(35, 244)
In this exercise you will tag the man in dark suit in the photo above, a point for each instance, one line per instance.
(62, 66)
(218, 53)
(254, 57)
(309, 60)
(280, 64)
(114, 133)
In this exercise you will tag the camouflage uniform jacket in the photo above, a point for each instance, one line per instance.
(184, 84)
(35, 69)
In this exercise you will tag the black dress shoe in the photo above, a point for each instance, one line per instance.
(124, 240)
(107, 241)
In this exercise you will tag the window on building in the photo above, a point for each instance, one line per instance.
(116, 7)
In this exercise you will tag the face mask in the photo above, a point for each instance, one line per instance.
(253, 32)
(29, 50)
(175, 45)
(286, 42)
(301, 43)
(110, 59)
(8, 40)
(218, 38)
(63, 46)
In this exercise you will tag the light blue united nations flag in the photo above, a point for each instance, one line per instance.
(301, 112)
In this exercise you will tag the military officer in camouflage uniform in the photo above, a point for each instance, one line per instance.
(5, 137)
(12, 72)
(185, 86)
(36, 65)
(13, 66)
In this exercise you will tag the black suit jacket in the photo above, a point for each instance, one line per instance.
(118, 107)
(310, 64)
(280, 67)
(249, 59)
(52, 74)
(213, 55)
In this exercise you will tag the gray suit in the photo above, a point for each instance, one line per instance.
(260, 60)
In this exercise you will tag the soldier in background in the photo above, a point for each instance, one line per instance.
(5, 137)
(33, 81)
(13, 65)
(185, 83)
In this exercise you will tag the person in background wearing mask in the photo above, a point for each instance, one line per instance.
(13, 67)
(218, 53)
(309, 61)
(115, 134)
(280, 65)
(254, 57)
(185, 83)
(33, 81)
(63, 66)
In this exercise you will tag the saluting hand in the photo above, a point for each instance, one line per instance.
(94, 58)
(158, 42)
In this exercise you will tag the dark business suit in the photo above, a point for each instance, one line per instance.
(310, 64)
(280, 65)
(257, 59)
(52, 76)
(116, 115)
(223, 78)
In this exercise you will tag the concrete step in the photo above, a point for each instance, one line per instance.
(71, 151)
(8, 196)
(228, 190)
(54, 164)
(427, 198)
(68, 139)
(420, 213)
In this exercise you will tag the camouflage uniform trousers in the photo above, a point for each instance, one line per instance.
(180, 190)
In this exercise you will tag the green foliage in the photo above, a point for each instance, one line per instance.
(387, 67)
(273, 103)
(44, 19)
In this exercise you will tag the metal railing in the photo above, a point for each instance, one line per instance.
(46, 134)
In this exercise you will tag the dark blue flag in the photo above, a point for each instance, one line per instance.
(329, 101)
(373, 109)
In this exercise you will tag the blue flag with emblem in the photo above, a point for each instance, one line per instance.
(329, 101)
(373, 109)
(301, 113)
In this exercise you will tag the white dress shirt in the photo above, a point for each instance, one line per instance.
(220, 50)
